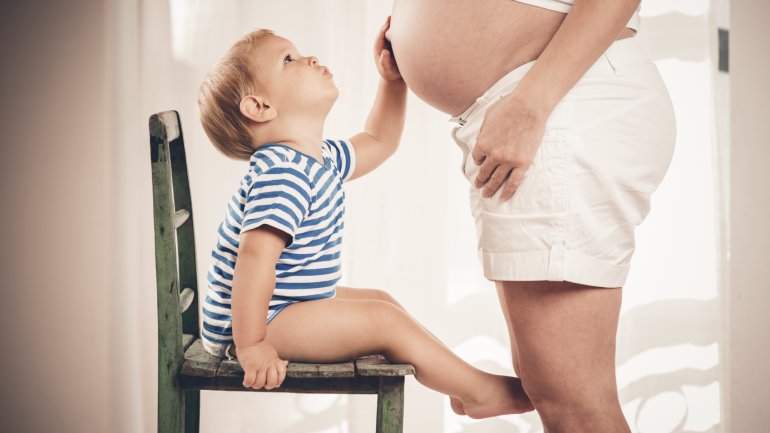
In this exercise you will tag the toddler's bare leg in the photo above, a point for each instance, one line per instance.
(338, 329)
(366, 294)
(376, 294)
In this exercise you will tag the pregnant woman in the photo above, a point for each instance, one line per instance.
(566, 130)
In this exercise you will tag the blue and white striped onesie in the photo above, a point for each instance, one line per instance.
(299, 196)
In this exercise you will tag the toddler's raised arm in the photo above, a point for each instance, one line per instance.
(385, 123)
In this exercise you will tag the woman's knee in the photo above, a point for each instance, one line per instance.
(560, 397)
(515, 362)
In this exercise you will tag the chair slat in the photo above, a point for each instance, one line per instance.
(170, 351)
(378, 365)
(185, 235)
(171, 121)
(187, 340)
(180, 217)
(186, 299)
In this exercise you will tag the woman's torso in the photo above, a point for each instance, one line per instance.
(451, 51)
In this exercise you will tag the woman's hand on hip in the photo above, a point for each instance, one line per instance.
(506, 145)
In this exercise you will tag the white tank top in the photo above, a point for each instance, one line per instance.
(566, 5)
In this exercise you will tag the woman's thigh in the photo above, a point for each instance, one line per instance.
(563, 337)
(511, 335)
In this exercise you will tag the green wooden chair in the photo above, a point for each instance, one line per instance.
(184, 368)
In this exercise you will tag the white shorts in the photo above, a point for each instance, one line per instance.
(606, 148)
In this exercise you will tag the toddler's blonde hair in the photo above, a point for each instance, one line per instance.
(220, 94)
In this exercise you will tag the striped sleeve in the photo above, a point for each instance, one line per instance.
(279, 197)
(344, 157)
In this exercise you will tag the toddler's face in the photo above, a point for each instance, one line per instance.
(290, 80)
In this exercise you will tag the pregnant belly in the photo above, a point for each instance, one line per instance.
(451, 51)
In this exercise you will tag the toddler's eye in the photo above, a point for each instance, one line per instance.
(288, 59)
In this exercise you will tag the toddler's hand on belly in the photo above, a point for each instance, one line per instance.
(506, 145)
(383, 56)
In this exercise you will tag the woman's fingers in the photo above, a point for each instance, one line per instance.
(479, 153)
(486, 168)
(492, 177)
(505, 147)
(496, 180)
(512, 183)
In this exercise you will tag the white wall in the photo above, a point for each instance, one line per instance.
(749, 256)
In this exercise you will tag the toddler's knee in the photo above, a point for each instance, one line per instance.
(388, 319)
(378, 295)
(396, 331)
(384, 311)
(384, 296)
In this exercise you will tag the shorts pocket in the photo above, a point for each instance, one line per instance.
(544, 189)
(463, 147)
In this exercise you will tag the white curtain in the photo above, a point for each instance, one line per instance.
(408, 227)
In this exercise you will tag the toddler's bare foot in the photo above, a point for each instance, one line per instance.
(457, 406)
(500, 396)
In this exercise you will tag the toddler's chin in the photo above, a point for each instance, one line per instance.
(332, 97)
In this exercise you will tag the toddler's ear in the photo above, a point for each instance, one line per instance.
(257, 109)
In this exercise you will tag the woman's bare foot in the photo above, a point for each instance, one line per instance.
(504, 395)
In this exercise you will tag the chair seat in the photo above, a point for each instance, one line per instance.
(201, 370)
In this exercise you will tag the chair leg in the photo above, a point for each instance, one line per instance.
(192, 411)
(170, 407)
(390, 405)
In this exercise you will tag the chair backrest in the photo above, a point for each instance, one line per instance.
(174, 238)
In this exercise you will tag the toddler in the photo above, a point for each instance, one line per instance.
(272, 285)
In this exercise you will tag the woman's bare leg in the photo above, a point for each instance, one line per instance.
(338, 329)
(511, 334)
(563, 339)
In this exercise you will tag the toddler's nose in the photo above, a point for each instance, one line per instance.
(313, 60)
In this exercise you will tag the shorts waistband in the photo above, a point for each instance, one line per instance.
(622, 52)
